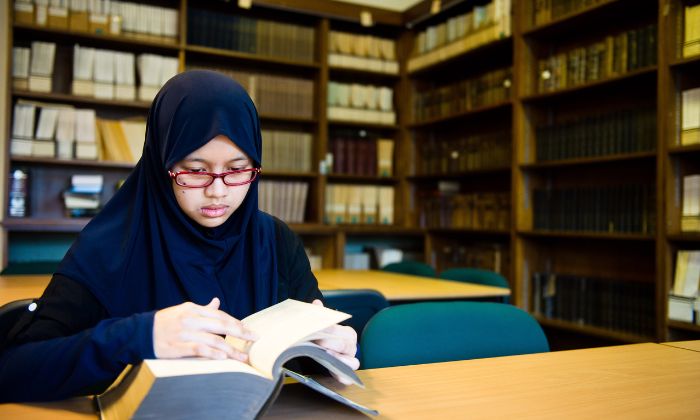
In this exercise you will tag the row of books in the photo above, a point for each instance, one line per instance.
(99, 16)
(284, 199)
(691, 32)
(276, 95)
(286, 151)
(547, 10)
(605, 134)
(479, 211)
(690, 215)
(612, 304)
(362, 52)
(486, 255)
(250, 35)
(612, 209)
(446, 100)
(362, 103)
(690, 116)
(359, 204)
(614, 55)
(482, 25)
(60, 131)
(357, 155)
(463, 154)
(120, 140)
(32, 68)
(683, 302)
(83, 198)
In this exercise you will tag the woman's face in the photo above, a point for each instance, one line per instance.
(212, 206)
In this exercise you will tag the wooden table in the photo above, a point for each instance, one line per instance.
(688, 345)
(22, 287)
(633, 381)
(395, 287)
(402, 287)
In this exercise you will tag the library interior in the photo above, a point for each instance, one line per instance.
(540, 154)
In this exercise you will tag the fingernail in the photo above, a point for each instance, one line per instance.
(242, 357)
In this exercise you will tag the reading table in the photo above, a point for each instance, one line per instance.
(631, 381)
(403, 287)
(395, 287)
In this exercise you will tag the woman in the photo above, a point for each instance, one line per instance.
(172, 262)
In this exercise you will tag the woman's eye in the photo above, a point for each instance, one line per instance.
(195, 170)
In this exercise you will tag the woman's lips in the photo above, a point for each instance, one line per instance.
(214, 211)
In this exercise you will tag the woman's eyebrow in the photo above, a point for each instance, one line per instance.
(197, 159)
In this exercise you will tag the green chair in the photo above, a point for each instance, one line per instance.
(475, 275)
(444, 331)
(362, 304)
(411, 267)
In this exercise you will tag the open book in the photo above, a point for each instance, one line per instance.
(203, 388)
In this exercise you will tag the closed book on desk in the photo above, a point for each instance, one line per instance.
(202, 388)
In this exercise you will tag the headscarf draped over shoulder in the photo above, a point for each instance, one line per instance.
(142, 253)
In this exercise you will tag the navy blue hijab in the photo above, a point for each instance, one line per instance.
(142, 253)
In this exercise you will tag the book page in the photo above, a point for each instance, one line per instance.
(196, 366)
(281, 326)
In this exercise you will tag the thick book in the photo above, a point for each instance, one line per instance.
(204, 388)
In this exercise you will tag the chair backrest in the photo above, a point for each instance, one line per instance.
(475, 275)
(411, 267)
(444, 331)
(362, 304)
(10, 314)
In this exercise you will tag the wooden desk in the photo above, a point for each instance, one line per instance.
(395, 287)
(21, 287)
(693, 345)
(633, 381)
(400, 287)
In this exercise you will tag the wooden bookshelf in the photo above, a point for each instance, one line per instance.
(586, 235)
(71, 162)
(250, 58)
(81, 100)
(593, 331)
(589, 160)
(461, 116)
(586, 15)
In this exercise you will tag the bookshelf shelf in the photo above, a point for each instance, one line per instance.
(458, 175)
(583, 16)
(679, 325)
(376, 75)
(73, 162)
(250, 58)
(363, 124)
(472, 113)
(287, 119)
(45, 225)
(503, 46)
(141, 42)
(587, 235)
(594, 331)
(362, 179)
(282, 174)
(686, 62)
(635, 76)
(684, 237)
(312, 228)
(589, 160)
(379, 230)
(683, 150)
(81, 100)
(461, 231)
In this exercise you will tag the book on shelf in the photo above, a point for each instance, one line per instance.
(224, 388)
(20, 68)
(86, 145)
(287, 151)
(359, 204)
(485, 255)
(83, 197)
(154, 70)
(683, 302)
(121, 140)
(24, 114)
(691, 30)
(284, 199)
(361, 103)
(315, 260)
(41, 66)
(690, 214)
(362, 52)
(690, 116)
(24, 12)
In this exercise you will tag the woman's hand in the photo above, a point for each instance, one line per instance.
(189, 330)
(341, 343)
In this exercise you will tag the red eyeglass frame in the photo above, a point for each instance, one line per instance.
(256, 172)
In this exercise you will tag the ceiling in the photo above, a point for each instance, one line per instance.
(393, 5)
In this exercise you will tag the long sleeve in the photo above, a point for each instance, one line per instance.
(67, 346)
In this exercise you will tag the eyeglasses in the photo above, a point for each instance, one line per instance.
(191, 179)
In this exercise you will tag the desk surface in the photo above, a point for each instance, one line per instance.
(688, 345)
(633, 381)
(397, 287)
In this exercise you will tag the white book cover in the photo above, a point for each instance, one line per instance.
(46, 128)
